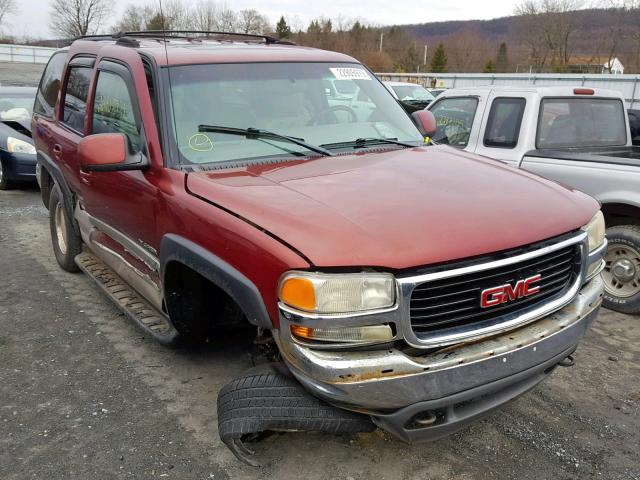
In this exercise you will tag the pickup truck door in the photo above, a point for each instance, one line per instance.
(120, 206)
(458, 119)
(502, 131)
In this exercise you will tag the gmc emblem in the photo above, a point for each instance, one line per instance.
(507, 293)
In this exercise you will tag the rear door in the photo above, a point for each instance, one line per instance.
(69, 127)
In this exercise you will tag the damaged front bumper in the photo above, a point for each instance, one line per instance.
(426, 396)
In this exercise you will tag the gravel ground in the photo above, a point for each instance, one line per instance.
(83, 394)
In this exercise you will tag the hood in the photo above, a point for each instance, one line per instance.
(396, 209)
(18, 128)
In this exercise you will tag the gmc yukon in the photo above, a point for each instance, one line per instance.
(206, 182)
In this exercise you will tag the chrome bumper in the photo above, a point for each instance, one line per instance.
(383, 381)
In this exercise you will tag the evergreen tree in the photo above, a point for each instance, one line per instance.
(282, 29)
(439, 60)
(409, 61)
(157, 22)
(489, 67)
(502, 61)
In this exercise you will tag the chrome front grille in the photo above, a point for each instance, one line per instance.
(446, 304)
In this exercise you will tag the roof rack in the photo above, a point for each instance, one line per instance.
(183, 34)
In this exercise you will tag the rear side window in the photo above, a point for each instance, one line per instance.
(75, 98)
(581, 122)
(454, 117)
(113, 110)
(49, 85)
(503, 125)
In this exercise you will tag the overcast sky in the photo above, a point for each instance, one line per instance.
(32, 16)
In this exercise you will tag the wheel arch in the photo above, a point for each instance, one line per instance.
(619, 213)
(50, 170)
(175, 249)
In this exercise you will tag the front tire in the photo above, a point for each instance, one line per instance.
(5, 183)
(65, 241)
(621, 274)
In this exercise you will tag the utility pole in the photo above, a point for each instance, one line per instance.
(424, 61)
(381, 36)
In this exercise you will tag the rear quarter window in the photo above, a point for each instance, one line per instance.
(581, 122)
(49, 87)
(503, 124)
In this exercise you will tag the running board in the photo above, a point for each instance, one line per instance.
(129, 301)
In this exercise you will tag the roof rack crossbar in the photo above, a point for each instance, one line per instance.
(186, 34)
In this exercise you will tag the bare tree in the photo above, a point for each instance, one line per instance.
(73, 18)
(205, 14)
(252, 21)
(466, 51)
(547, 26)
(135, 18)
(227, 19)
(6, 7)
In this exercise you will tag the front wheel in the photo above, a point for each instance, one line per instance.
(5, 184)
(621, 274)
(65, 241)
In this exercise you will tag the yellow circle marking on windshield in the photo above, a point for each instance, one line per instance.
(200, 143)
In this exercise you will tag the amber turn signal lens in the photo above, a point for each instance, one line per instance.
(298, 293)
(366, 334)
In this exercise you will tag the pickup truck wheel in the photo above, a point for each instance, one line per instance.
(267, 398)
(621, 274)
(65, 241)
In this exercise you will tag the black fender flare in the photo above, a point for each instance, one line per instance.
(54, 172)
(242, 290)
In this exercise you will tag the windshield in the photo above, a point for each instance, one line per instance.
(413, 92)
(16, 107)
(581, 122)
(318, 103)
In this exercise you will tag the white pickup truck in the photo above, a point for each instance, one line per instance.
(577, 136)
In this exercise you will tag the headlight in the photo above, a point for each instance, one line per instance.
(595, 231)
(15, 145)
(326, 293)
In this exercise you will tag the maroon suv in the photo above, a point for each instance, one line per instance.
(208, 183)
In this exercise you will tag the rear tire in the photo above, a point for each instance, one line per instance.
(65, 241)
(5, 183)
(621, 274)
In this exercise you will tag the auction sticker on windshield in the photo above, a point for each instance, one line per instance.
(350, 74)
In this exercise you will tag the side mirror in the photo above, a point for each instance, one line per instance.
(108, 152)
(426, 122)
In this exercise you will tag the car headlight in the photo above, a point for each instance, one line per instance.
(15, 145)
(327, 293)
(595, 231)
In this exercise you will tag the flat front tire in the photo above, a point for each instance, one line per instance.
(621, 274)
(65, 241)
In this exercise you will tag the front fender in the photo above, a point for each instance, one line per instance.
(217, 271)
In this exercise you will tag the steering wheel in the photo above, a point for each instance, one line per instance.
(353, 118)
(328, 115)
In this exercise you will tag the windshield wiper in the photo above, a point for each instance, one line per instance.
(257, 133)
(363, 142)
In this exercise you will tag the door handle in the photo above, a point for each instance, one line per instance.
(57, 150)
